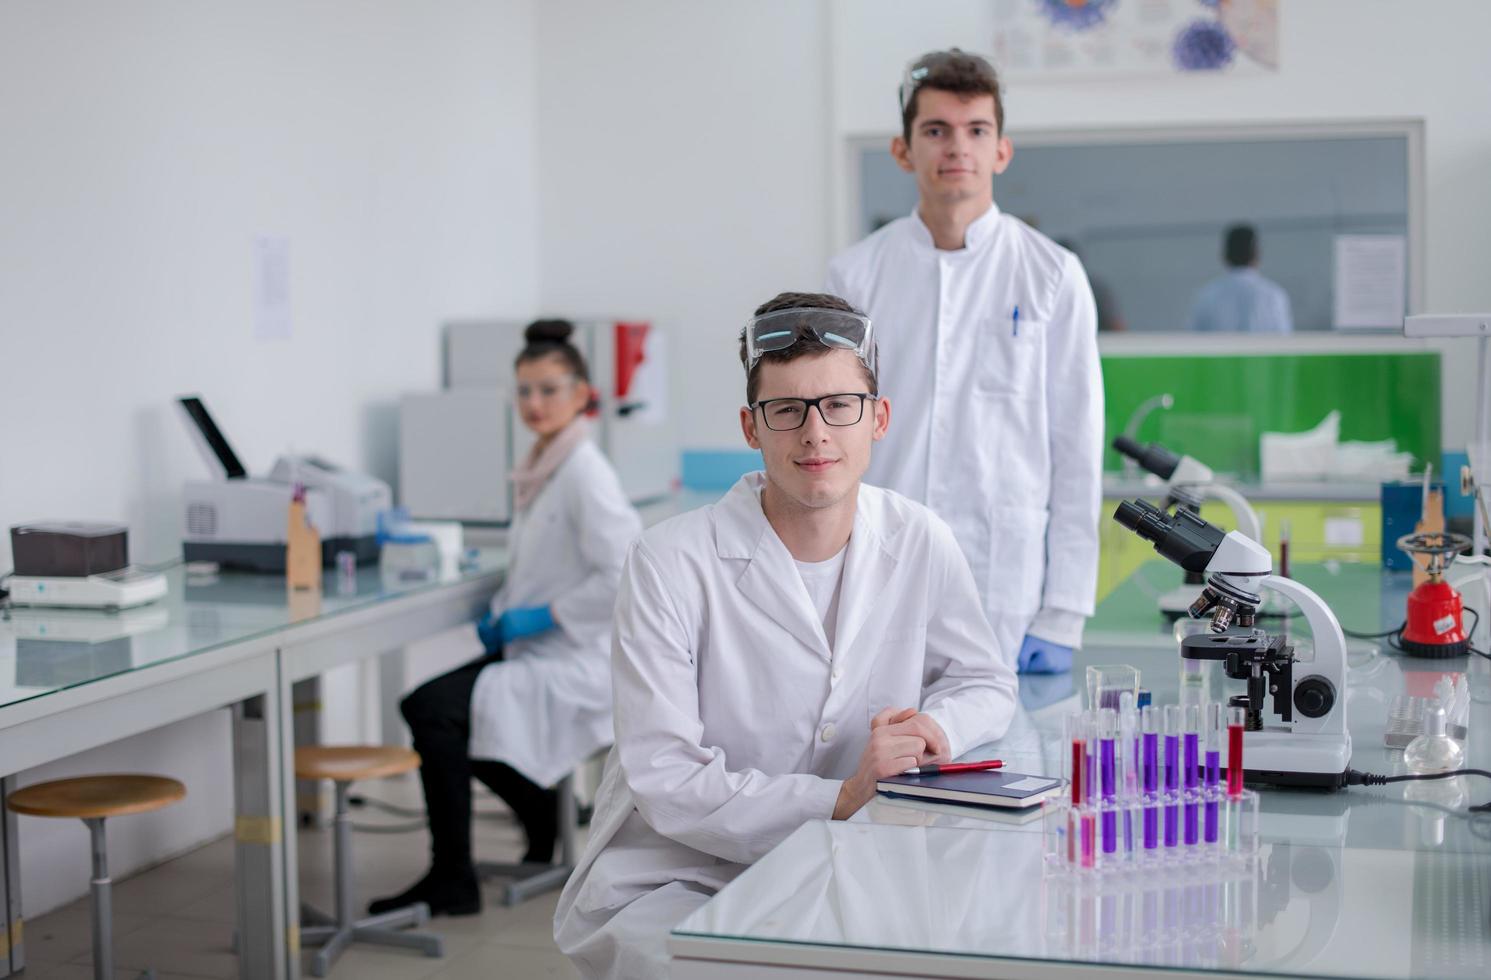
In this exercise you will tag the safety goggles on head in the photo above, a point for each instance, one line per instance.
(780, 329)
(917, 71)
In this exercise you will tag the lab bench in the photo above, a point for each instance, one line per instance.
(73, 680)
(1382, 882)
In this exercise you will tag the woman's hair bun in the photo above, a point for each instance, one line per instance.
(548, 332)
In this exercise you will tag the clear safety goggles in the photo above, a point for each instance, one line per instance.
(545, 390)
(780, 329)
(917, 71)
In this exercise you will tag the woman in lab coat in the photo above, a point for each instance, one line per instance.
(538, 701)
(776, 653)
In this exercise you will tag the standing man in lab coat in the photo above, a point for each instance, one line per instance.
(778, 652)
(999, 400)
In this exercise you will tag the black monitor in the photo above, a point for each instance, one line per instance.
(212, 436)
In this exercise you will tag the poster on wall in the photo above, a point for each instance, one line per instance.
(641, 373)
(1073, 39)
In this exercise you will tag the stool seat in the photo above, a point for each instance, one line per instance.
(348, 763)
(90, 797)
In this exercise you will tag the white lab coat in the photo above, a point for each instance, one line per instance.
(997, 426)
(547, 705)
(735, 721)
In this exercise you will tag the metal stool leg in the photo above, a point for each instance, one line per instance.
(102, 888)
(345, 929)
(103, 910)
(532, 878)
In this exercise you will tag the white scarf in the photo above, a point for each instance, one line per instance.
(530, 477)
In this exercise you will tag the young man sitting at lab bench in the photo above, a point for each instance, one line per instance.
(775, 654)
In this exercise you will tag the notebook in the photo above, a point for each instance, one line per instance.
(993, 787)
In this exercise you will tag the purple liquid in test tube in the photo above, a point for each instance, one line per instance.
(1190, 774)
(1149, 724)
(1172, 775)
(1213, 777)
(1107, 745)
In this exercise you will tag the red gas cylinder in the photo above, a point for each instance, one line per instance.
(1435, 626)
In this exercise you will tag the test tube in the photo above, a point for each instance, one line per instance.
(1191, 773)
(1079, 843)
(1237, 717)
(1128, 735)
(1128, 777)
(1172, 775)
(1107, 778)
(1213, 769)
(1076, 733)
(1149, 724)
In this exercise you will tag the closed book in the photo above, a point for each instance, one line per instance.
(993, 787)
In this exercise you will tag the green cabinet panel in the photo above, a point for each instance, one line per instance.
(1224, 403)
(1318, 531)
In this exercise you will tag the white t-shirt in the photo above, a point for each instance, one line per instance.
(824, 580)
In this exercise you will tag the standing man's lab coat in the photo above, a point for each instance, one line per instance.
(736, 722)
(546, 706)
(999, 420)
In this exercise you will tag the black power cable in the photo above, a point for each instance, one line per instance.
(1357, 778)
(1395, 635)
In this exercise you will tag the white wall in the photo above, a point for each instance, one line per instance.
(683, 175)
(693, 156)
(145, 146)
(1339, 60)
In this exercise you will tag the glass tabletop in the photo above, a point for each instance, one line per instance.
(1128, 629)
(1304, 909)
(44, 650)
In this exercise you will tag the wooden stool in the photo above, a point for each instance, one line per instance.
(344, 764)
(92, 799)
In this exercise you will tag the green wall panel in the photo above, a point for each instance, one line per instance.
(1224, 403)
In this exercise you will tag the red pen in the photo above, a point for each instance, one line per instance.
(951, 767)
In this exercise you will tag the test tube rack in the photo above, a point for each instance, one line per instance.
(1193, 916)
(1128, 807)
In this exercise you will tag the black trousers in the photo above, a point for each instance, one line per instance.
(439, 717)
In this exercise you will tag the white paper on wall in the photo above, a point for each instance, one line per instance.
(1370, 272)
(271, 288)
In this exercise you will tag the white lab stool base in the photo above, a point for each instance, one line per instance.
(334, 935)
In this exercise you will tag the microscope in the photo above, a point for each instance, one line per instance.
(1296, 711)
(1188, 482)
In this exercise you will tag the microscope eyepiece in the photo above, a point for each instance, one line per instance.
(1154, 457)
(1184, 538)
(1143, 518)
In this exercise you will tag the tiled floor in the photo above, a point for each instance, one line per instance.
(178, 917)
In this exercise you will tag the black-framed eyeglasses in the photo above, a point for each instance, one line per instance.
(786, 414)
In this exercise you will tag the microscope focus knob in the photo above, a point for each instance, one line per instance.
(1314, 697)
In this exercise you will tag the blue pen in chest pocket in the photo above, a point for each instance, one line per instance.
(1015, 322)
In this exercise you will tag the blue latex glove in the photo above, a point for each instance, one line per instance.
(514, 624)
(488, 633)
(1039, 656)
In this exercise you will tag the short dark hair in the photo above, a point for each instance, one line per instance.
(808, 345)
(1240, 245)
(956, 71)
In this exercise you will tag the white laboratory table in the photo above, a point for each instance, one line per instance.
(75, 680)
(1383, 882)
